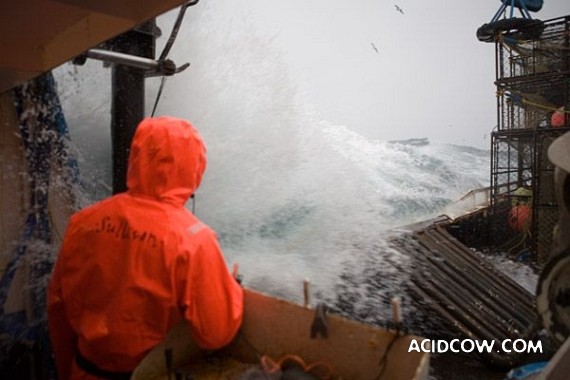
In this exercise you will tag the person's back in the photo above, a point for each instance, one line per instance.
(134, 264)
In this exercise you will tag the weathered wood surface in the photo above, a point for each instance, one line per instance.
(276, 328)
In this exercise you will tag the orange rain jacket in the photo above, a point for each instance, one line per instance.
(131, 266)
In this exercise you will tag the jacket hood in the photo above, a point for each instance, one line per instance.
(167, 160)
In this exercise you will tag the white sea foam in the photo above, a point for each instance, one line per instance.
(291, 195)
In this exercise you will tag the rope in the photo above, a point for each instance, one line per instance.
(521, 243)
(162, 82)
(175, 29)
(518, 97)
(168, 46)
(545, 107)
(385, 355)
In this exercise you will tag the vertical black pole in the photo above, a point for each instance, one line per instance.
(128, 86)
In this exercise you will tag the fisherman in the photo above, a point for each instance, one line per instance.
(133, 265)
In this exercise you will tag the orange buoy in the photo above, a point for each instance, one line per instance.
(558, 118)
(519, 217)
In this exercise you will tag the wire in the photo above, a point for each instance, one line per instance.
(271, 366)
(548, 108)
(175, 29)
(520, 97)
(162, 82)
(168, 46)
(385, 355)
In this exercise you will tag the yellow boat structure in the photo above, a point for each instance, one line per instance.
(276, 329)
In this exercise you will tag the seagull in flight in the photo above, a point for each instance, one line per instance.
(374, 47)
(399, 9)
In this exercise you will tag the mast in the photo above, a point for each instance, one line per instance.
(128, 96)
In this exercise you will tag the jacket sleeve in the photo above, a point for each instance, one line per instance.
(213, 299)
(63, 338)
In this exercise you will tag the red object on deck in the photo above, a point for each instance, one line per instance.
(558, 118)
(519, 217)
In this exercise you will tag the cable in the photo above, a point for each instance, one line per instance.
(162, 82)
(520, 97)
(385, 355)
(168, 46)
(175, 29)
(548, 108)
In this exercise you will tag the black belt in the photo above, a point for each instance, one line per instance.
(92, 369)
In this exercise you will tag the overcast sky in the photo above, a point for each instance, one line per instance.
(430, 76)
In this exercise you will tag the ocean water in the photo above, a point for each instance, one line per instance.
(292, 193)
(295, 197)
(328, 211)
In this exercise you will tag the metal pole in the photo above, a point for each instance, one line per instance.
(123, 59)
(128, 97)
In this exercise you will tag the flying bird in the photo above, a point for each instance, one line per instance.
(374, 47)
(399, 9)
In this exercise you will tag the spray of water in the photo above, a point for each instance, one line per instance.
(291, 195)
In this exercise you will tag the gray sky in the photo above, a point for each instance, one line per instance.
(431, 77)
